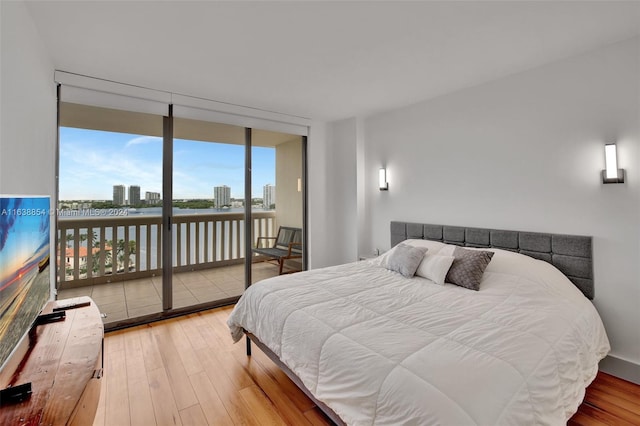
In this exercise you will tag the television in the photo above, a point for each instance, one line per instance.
(24, 267)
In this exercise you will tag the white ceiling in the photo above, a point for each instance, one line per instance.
(322, 60)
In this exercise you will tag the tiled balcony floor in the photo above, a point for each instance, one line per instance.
(133, 298)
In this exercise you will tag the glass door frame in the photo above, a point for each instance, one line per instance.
(247, 207)
(167, 213)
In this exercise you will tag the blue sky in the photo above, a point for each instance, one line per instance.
(92, 161)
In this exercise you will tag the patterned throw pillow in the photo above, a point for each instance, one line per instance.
(405, 259)
(467, 267)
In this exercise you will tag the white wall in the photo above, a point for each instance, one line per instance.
(333, 203)
(27, 108)
(342, 202)
(525, 153)
(317, 195)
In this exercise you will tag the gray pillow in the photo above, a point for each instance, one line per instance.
(467, 267)
(405, 259)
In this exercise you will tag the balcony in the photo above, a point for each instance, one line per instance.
(118, 260)
(125, 299)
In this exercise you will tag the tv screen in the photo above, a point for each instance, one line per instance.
(24, 266)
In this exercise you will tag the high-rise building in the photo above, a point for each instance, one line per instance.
(222, 196)
(152, 198)
(118, 195)
(134, 195)
(269, 196)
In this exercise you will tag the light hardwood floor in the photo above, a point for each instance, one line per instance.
(609, 401)
(186, 371)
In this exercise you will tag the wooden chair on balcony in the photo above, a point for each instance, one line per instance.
(287, 244)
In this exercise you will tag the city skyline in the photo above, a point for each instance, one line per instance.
(92, 162)
(120, 190)
(152, 198)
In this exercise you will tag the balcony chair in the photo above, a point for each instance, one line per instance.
(287, 245)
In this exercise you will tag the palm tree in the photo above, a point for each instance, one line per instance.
(83, 237)
(120, 251)
(95, 254)
(70, 238)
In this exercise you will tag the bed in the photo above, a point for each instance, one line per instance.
(373, 346)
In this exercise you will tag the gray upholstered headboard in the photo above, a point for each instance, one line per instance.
(571, 254)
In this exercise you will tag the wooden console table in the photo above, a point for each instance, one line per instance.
(63, 362)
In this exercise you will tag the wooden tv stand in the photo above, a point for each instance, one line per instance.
(63, 361)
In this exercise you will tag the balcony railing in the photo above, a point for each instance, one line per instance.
(95, 250)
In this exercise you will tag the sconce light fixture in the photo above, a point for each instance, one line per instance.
(611, 173)
(382, 178)
(299, 184)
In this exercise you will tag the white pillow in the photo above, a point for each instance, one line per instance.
(433, 246)
(447, 250)
(435, 267)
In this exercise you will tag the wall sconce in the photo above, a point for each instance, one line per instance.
(611, 173)
(299, 184)
(382, 178)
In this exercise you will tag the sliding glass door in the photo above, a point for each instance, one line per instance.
(109, 210)
(208, 212)
(162, 215)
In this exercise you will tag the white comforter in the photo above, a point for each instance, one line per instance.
(379, 348)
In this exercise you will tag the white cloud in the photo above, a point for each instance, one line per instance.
(143, 139)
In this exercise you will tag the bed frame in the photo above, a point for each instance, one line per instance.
(571, 254)
(294, 378)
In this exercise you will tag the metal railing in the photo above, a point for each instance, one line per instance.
(95, 250)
